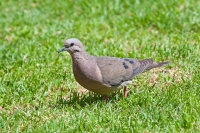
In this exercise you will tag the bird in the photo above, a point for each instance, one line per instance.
(104, 75)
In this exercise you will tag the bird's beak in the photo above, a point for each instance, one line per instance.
(62, 49)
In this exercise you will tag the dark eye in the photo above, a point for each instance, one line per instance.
(71, 44)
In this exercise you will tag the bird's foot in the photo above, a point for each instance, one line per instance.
(125, 91)
(106, 98)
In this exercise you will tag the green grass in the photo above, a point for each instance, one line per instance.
(38, 92)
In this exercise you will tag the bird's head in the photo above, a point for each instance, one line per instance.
(72, 45)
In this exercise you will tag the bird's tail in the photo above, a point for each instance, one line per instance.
(157, 64)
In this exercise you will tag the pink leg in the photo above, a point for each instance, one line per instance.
(106, 98)
(125, 92)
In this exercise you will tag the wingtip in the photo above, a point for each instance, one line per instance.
(162, 63)
(165, 63)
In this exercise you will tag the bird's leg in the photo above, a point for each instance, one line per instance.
(125, 91)
(106, 97)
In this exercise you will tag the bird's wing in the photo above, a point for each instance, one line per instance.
(115, 71)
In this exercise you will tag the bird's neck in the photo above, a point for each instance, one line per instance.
(84, 67)
(79, 56)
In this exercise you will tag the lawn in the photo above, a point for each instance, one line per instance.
(38, 92)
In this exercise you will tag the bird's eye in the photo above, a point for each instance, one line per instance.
(71, 44)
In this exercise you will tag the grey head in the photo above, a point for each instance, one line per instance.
(72, 45)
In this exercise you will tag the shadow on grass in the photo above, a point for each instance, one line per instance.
(85, 99)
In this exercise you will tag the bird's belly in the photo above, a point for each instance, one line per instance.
(99, 88)
(91, 79)
(94, 85)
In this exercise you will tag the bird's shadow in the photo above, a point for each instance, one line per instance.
(75, 99)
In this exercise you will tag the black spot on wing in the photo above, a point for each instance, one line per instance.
(126, 59)
(131, 62)
(125, 66)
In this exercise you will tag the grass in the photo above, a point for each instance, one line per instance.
(38, 92)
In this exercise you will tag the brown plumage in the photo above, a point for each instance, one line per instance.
(104, 75)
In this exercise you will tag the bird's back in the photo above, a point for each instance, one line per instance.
(115, 71)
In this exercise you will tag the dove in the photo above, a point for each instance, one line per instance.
(104, 75)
